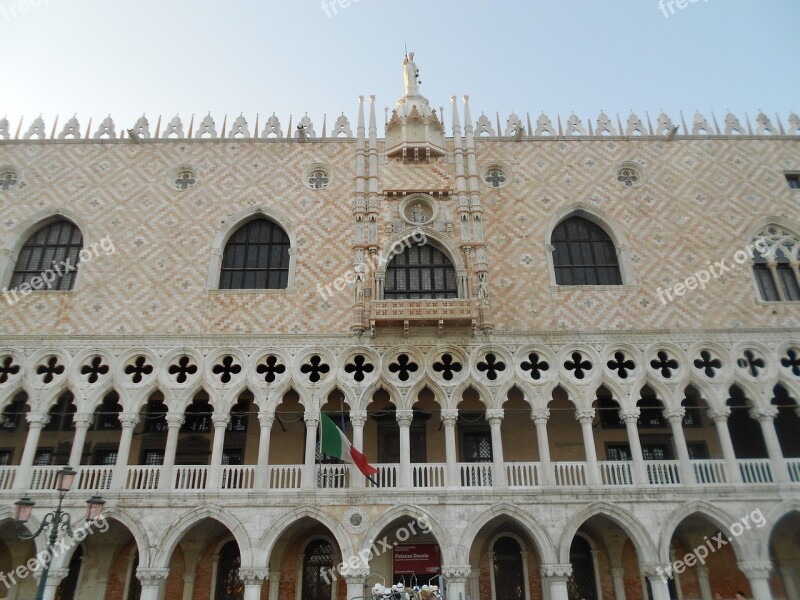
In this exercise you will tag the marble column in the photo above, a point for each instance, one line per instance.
(152, 580)
(355, 583)
(174, 423)
(540, 417)
(494, 416)
(456, 577)
(220, 421)
(36, 421)
(188, 586)
(757, 573)
(766, 418)
(274, 585)
(253, 579)
(358, 418)
(720, 418)
(675, 418)
(404, 418)
(631, 419)
(788, 577)
(618, 577)
(555, 576)
(82, 423)
(128, 422)
(449, 420)
(54, 579)
(310, 467)
(586, 418)
(704, 583)
(262, 472)
(656, 575)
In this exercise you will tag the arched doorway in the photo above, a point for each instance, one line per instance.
(582, 584)
(228, 585)
(317, 566)
(508, 569)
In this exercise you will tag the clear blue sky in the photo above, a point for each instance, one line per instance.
(95, 57)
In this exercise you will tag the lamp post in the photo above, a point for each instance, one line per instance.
(54, 522)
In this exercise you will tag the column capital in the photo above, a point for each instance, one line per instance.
(456, 573)
(220, 419)
(311, 419)
(764, 413)
(174, 420)
(266, 419)
(253, 575)
(129, 420)
(719, 415)
(449, 416)
(54, 576)
(83, 420)
(404, 417)
(630, 415)
(358, 418)
(655, 571)
(557, 572)
(189, 577)
(584, 416)
(37, 419)
(755, 569)
(355, 575)
(494, 416)
(151, 576)
(674, 415)
(540, 415)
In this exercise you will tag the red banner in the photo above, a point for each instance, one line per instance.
(416, 558)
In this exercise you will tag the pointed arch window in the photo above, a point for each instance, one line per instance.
(775, 264)
(509, 571)
(420, 272)
(584, 254)
(256, 257)
(54, 247)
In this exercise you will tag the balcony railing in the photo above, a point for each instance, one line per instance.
(613, 474)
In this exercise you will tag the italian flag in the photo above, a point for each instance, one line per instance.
(335, 443)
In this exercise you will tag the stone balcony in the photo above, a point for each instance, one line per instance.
(422, 478)
(428, 313)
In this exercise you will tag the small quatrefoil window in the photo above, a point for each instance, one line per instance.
(138, 369)
(185, 179)
(622, 365)
(579, 365)
(791, 361)
(270, 368)
(403, 367)
(94, 369)
(535, 365)
(664, 364)
(359, 367)
(318, 179)
(8, 179)
(447, 367)
(751, 363)
(50, 369)
(315, 368)
(182, 369)
(8, 368)
(707, 363)
(491, 366)
(227, 369)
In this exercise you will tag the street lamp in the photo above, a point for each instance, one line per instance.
(54, 522)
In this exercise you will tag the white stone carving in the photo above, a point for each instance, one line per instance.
(514, 124)
(664, 125)
(308, 126)
(794, 124)
(239, 128)
(175, 127)
(37, 129)
(272, 128)
(484, 126)
(635, 126)
(342, 126)
(544, 125)
(207, 126)
(4, 128)
(604, 126)
(732, 125)
(575, 126)
(764, 125)
(142, 128)
(71, 128)
(106, 129)
(700, 125)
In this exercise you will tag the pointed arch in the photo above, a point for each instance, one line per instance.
(410, 511)
(606, 223)
(744, 550)
(645, 548)
(25, 229)
(166, 545)
(232, 223)
(528, 523)
(267, 542)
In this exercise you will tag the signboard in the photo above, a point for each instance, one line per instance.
(416, 559)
